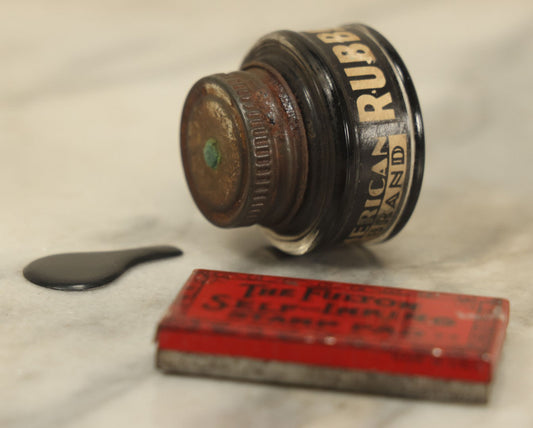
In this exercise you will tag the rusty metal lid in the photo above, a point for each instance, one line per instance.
(243, 148)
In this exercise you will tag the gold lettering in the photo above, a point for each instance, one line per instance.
(386, 191)
(398, 156)
(338, 37)
(392, 200)
(396, 180)
(381, 167)
(374, 78)
(379, 149)
(376, 191)
(372, 109)
(367, 217)
(356, 52)
(369, 203)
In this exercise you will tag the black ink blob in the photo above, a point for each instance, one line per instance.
(81, 271)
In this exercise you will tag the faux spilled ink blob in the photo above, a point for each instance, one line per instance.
(82, 271)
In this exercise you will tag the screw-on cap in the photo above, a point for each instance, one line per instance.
(244, 149)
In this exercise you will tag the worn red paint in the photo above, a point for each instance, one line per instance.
(352, 326)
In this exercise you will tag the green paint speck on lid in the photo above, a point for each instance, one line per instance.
(211, 153)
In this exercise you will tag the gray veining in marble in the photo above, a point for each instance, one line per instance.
(90, 98)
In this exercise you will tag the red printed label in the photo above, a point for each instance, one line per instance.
(354, 326)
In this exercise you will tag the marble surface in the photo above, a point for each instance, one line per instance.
(90, 97)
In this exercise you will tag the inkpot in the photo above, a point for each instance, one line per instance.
(318, 138)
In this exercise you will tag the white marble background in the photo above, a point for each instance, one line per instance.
(90, 96)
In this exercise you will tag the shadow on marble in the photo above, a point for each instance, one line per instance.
(341, 256)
